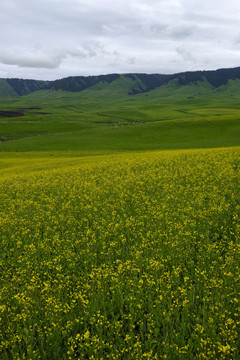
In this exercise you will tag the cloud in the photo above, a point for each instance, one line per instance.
(59, 37)
(48, 59)
(181, 32)
(31, 59)
(185, 54)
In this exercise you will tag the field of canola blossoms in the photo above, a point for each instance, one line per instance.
(133, 256)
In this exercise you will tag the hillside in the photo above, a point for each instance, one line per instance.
(121, 112)
(136, 83)
(106, 252)
(119, 217)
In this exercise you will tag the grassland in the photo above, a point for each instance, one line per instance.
(106, 119)
(112, 248)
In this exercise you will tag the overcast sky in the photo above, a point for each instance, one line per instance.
(51, 39)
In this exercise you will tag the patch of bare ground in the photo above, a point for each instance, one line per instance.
(10, 113)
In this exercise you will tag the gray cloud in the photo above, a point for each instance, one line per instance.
(181, 32)
(185, 54)
(57, 38)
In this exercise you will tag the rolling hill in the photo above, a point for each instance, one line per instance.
(132, 83)
(121, 112)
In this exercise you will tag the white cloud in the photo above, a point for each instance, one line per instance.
(55, 38)
(32, 59)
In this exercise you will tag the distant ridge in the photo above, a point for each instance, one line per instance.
(139, 82)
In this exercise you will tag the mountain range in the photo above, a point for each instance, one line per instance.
(136, 82)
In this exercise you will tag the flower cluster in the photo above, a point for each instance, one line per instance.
(133, 256)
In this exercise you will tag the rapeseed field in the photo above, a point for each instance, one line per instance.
(132, 256)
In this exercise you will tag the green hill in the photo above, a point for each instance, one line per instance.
(127, 112)
(24, 87)
(137, 83)
(110, 248)
(6, 90)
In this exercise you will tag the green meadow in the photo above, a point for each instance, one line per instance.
(119, 224)
(105, 119)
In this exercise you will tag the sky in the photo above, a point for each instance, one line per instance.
(53, 39)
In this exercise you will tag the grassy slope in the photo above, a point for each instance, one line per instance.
(105, 119)
(140, 229)
(5, 89)
(132, 256)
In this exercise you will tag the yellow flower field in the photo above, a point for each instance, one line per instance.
(132, 256)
